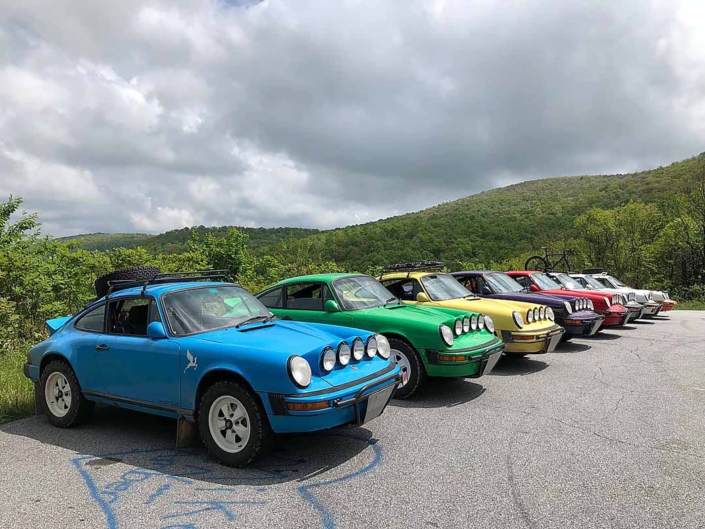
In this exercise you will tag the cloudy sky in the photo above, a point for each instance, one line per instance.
(141, 115)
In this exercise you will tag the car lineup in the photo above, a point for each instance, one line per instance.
(308, 353)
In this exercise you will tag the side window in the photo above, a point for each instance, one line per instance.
(470, 283)
(154, 313)
(92, 321)
(405, 289)
(273, 299)
(129, 316)
(307, 296)
(523, 281)
(604, 282)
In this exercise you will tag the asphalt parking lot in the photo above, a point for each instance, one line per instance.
(605, 432)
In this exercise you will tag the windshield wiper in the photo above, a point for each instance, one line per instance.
(252, 319)
(390, 300)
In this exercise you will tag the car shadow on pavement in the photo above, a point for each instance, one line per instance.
(604, 336)
(518, 366)
(147, 442)
(571, 347)
(629, 327)
(642, 322)
(441, 393)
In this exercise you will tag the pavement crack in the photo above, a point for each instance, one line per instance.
(514, 488)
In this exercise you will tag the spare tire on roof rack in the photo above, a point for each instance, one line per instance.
(134, 273)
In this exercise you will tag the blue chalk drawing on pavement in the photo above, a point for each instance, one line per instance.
(186, 497)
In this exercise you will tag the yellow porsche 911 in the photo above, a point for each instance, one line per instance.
(526, 328)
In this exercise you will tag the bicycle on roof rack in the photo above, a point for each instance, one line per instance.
(547, 262)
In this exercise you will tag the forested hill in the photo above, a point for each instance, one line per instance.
(174, 241)
(480, 229)
(495, 225)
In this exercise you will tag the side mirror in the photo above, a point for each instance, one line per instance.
(421, 297)
(331, 306)
(486, 291)
(155, 331)
(534, 288)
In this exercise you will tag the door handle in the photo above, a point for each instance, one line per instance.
(102, 347)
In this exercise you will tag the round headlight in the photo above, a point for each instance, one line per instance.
(581, 304)
(458, 327)
(344, 354)
(446, 335)
(518, 319)
(568, 308)
(466, 324)
(590, 305)
(328, 359)
(530, 316)
(615, 299)
(480, 321)
(383, 348)
(549, 314)
(632, 296)
(358, 349)
(607, 302)
(536, 314)
(300, 371)
(473, 322)
(489, 324)
(542, 313)
(372, 346)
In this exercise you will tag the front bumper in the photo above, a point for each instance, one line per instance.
(613, 319)
(528, 342)
(582, 323)
(635, 311)
(465, 363)
(651, 309)
(667, 305)
(356, 405)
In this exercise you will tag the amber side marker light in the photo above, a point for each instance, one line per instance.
(307, 406)
(448, 358)
(571, 322)
(526, 338)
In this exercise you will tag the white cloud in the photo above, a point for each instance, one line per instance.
(159, 114)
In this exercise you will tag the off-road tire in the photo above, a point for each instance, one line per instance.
(261, 433)
(416, 370)
(80, 409)
(134, 273)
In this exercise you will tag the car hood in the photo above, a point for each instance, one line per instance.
(404, 312)
(555, 302)
(279, 337)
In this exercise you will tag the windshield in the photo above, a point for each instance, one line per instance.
(593, 283)
(361, 292)
(617, 282)
(503, 283)
(444, 286)
(545, 282)
(568, 282)
(204, 309)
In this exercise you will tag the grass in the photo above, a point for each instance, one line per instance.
(690, 305)
(17, 395)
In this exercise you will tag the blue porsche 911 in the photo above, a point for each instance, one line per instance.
(205, 351)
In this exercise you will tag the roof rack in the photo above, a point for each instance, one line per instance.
(595, 271)
(417, 265)
(170, 277)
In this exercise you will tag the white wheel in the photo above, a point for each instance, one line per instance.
(57, 394)
(229, 424)
(402, 361)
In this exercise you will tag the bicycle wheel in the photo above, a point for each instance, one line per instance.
(536, 262)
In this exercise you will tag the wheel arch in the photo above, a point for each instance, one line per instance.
(216, 375)
(51, 357)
